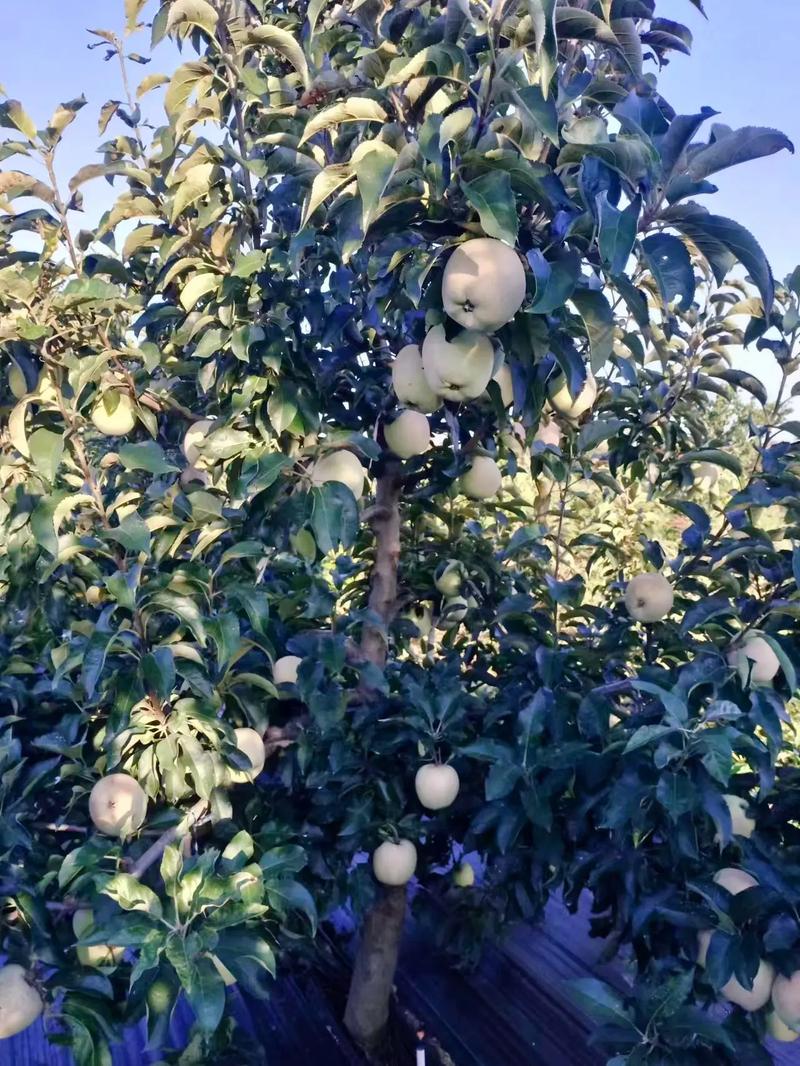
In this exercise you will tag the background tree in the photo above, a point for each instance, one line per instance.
(207, 537)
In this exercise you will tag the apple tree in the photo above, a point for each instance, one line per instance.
(283, 629)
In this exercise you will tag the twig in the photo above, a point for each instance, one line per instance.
(156, 850)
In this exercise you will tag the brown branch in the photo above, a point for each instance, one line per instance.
(156, 850)
(383, 593)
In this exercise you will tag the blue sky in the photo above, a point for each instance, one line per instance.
(744, 65)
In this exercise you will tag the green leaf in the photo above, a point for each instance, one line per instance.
(47, 450)
(132, 533)
(94, 656)
(334, 518)
(284, 43)
(541, 108)
(617, 232)
(132, 895)
(148, 456)
(374, 170)
(158, 672)
(598, 318)
(576, 24)
(493, 198)
(197, 286)
(543, 17)
(291, 895)
(674, 705)
(355, 109)
(647, 734)
(737, 146)
(722, 242)
(716, 456)
(184, 609)
(601, 1002)
(555, 280)
(668, 260)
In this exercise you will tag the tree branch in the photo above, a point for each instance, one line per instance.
(156, 850)
(385, 520)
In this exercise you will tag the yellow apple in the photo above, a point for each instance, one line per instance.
(436, 785)
(409, 434)
(20, 1003)
(483, 285)
(649, 597)
(409, 381)
(565, 403)
(394, 864)
(117, 805)
(284, 670)
(459, 369)
(755, 659)
(341, 466)
(114, 414)
(93, 954)
(482, 480)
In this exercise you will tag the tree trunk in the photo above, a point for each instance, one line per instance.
(371, 985)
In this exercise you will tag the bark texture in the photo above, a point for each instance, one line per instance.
(373, 975)
(371, 985)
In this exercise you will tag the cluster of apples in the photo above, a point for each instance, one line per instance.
(436, 785)
(483, 287)
(783, 993)
(649, 598)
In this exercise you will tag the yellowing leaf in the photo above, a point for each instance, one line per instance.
(325, 183)
(356, 109)
(13, 114)
(182, 85)
(196, 287)
(196, 184)
(132, 11)
(15, 183)
(64, 114)
(281, 41)
(197, 12)
(152, 81)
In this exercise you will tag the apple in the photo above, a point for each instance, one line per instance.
(193, 475)
(483, 285)
(778, 1029)
(409, 434)
(649, 597)
(548, 432)
(251, 744)
(394, 864)
(114, 414)
(482, 480)
(436, 785)
(409, 381)
(786, 999)
(160, 996)
(454, 610)
(448, 577)
(591, 129)
(755, 660)
(20, 1003)
(464, 875)
(459, 369)
(565, 403)
(705, 474)
(421, 616)
(93, 954)
(284, 670)
(341, 466)
(505, 383)
(194, 437)
(741, 822)
(117, 805)
(751, 998)
(734, 880)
